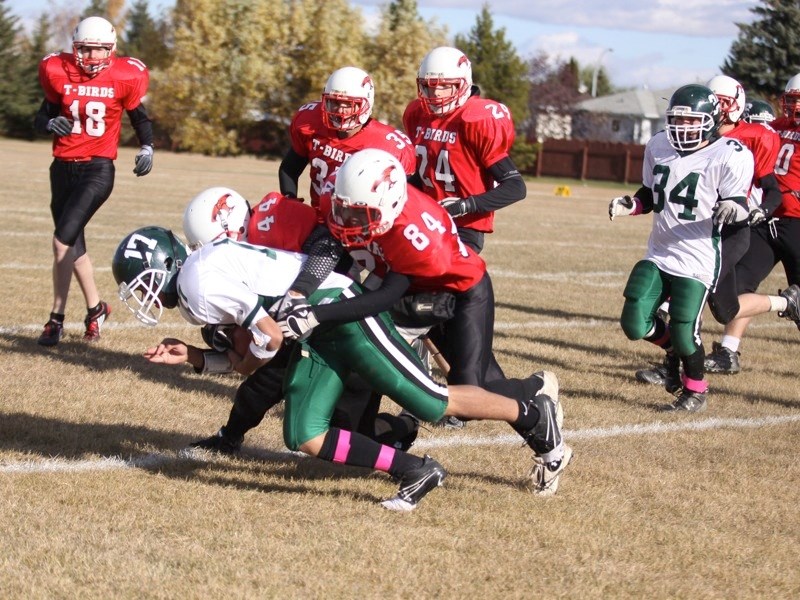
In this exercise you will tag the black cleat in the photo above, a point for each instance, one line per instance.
(792, 312)
(688, 402)
(219, 443)
(415, 485)
(52, 334)
(722, 360)
(655, 376)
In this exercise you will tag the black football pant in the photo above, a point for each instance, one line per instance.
(77, 191)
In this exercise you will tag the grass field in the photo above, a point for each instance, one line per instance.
(98, 503)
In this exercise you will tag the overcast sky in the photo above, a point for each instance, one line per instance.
(653, 43)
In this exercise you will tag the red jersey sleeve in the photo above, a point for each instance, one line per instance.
(281, 223)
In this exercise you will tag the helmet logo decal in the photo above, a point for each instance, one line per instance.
(221, 211)
(385, 178)
(141, 248)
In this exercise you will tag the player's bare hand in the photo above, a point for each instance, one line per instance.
(169, 352)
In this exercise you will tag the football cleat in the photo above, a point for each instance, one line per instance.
(655, 376)
(688, 402)
(219, 443)
(722, 360)
(94, 323)
(451, 422)
(792, 312)
(52, 334)
(545, 476)
(550, 388)
(415, 485)
(545, 437)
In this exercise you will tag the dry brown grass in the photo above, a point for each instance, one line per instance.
(98, 504)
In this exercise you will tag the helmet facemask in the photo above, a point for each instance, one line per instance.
(141, 295)
(344, 113)
(355, 225)
(688, 137)
(791, 106)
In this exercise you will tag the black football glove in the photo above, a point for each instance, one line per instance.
(458, 207)
(218, 337)
(60, 126)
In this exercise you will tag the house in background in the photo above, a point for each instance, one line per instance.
(630, 117)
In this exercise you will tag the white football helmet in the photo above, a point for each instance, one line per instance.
(215, 213)
(731, 96)
(347, 99)
(444, 66)
(94, 32)
(369, 194)
(790, 100)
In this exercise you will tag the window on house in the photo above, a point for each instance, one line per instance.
(615, 125)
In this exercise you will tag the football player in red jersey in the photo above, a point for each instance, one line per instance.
(462, 143)
(771, 240)
(86, 92)
(324, 133)
(408, 239)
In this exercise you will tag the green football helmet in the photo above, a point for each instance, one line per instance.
(693, 116)
(146, 265)
(758, 111)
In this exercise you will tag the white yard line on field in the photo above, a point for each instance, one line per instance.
(156, 460)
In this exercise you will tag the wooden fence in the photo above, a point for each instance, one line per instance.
(580, 159)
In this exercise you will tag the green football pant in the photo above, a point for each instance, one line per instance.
(375, 350)
(646, 289)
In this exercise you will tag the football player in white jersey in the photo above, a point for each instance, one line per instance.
(230, 282)
(694, 182)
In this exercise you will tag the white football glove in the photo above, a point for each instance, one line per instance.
(621, 206)
(757, 216)
(726, 212)
(298, 323)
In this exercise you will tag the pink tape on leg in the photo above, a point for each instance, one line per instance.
(699, 386)
(342, 447)
(385, 458)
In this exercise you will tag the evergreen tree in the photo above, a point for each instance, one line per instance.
(766, 53)
(395, 52)
(501, 75)
(144, 38)
(12, 105)
(496, 68)
(29, 92)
